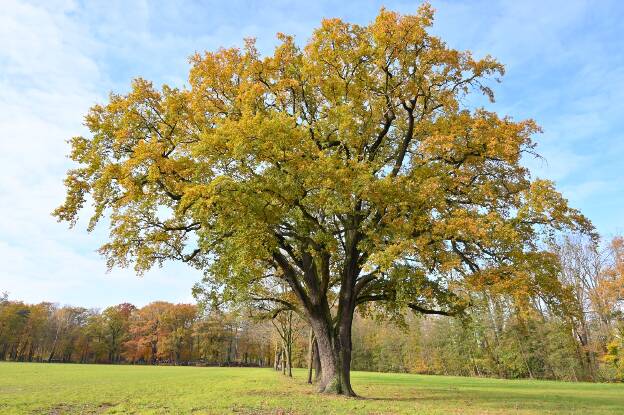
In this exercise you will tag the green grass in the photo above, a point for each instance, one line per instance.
(29, 388)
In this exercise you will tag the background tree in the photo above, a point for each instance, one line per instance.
(348, 169)
(116, 321)
(611, 292)
(179, 319)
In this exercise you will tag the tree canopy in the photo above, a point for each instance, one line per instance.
(349, 171)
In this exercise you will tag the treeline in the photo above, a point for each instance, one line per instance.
(159, 333)
(581, 337)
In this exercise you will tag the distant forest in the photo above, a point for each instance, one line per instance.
(582, 339)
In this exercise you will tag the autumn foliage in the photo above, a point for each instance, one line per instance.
(158, 333)
(348, 170)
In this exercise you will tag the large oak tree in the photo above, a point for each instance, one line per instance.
(349, 171)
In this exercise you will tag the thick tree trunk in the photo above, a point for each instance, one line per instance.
(334, 351)
(332, 334)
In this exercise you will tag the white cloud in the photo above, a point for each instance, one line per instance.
(49, 77)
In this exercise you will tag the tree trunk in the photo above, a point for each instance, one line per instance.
(334, 351)
(333, 334)
(56, 336)
(316, 363)
(310, 355)
(289, 361)
(277, 358)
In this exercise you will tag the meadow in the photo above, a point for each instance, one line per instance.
(31, 388)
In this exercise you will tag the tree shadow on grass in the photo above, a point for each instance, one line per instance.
(400, 399)
(508, 400)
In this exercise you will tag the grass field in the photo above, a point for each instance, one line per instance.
(30, 388)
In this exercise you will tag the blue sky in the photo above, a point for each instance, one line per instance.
(565, 69)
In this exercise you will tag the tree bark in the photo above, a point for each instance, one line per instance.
(332, 333)
(316, 363)
(310, 355)
(56, 336)
(283, 361)
(334, 351)
(278, 356)
(289, 361)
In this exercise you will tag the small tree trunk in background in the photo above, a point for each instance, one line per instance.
(316, 362)
(289, 361)
(277, 358)
(289, 343)
(31, 352)
(310, 355)
(56, 336)
(285, 332)
(51, 354)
